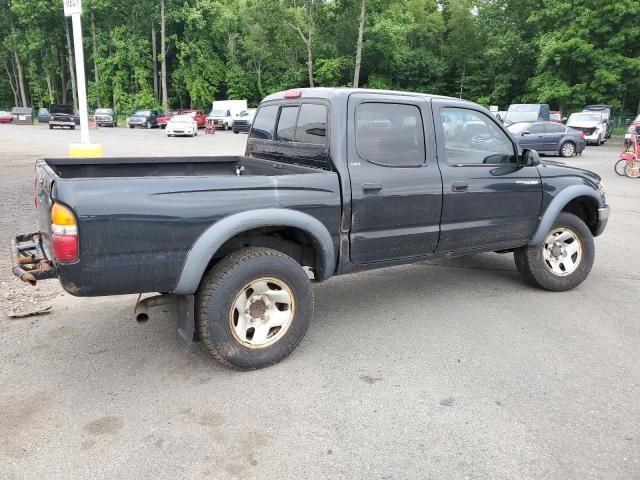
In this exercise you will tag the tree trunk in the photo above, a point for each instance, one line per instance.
(306, 39)
(14, 87)
(23, 92)
(71, 68)
(356, 73)
(96, 74)
(50, 88)
(63, 81)
(154, 48)
(163, 49)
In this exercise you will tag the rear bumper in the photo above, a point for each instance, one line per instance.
(29, 261)
(603, 218)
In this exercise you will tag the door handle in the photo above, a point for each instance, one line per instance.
(459, 186)
(371, 187)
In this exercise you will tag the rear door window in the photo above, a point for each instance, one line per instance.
(390, 134)
(264, 123)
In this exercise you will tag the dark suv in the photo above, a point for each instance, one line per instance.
(143, 118)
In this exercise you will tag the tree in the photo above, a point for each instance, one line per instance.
(356, 75)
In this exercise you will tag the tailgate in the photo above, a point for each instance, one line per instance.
(44, 182)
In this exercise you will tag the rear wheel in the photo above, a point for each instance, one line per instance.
(50, 127)
(568, 149)
(132, 126)
(253, 308)
(632, 169)
(563, 260)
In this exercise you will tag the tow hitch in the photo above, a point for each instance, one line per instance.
(28, 260)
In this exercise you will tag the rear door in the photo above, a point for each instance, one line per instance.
(396, 189)
(488, 200)
(533, 137)
(553, 135)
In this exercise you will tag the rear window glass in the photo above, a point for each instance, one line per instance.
(390, 134)
(312, 124)
(264, 122)
(287, 124)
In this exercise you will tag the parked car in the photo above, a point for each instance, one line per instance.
(526, 112)
(197, 115)
(592, 124)
(240, 236)
(607, 114)
(634, 123)
(43, 115)
(223, 111)
(549, 138)
(182, 125)
(62, 116)
(243, 120)
(557, 116)
(163, 118)
(6, 117)
(143, 118)
(106, 117)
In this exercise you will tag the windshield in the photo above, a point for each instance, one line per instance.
(219, 113)
(585, 117)
(143, 113)
(62, 109)
(555, 116)
(518, 127)
(103, 111)
(181, 119)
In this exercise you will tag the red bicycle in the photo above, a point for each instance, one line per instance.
(628, 163)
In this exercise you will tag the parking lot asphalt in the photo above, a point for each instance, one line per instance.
(449, 369)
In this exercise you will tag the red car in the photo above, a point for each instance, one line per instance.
(6, 117)
(164, 119)
(197, 115)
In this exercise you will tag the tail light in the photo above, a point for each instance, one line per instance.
(581, 134)
(64, 234)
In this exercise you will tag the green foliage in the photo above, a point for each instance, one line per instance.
(495, 52)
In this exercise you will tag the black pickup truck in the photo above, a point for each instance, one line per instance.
(333, 181)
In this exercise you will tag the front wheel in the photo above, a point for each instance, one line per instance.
(567, 149)
(620, 166)
(253, 308)
(563, 260)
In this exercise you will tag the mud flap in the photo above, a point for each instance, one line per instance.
(186, 321)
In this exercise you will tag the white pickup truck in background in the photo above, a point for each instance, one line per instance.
(223, 111)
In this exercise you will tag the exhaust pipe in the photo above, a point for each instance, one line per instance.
(141, 310)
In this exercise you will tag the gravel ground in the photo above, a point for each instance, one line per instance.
(445, 369)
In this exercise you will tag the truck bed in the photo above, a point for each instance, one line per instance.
(170, 166)
(139, 217)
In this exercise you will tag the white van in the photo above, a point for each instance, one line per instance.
(223, 111)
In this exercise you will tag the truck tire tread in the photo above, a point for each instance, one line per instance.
(530, 264)
(215, 280)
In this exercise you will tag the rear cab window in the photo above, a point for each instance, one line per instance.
(264, 123)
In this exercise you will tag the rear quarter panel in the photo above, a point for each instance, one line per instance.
(135, 233)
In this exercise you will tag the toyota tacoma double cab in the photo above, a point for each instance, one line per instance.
(333, 181)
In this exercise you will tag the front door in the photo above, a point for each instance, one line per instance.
(396, 188)
(488, 200)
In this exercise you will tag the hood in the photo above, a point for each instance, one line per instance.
(593, 124)
(551, 168)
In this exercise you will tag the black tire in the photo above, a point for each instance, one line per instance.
(50, 127)
(236, 132)
(567, 149)
(73, 128)
(221, 286)
(619, 167)
(132, 126)
(532, 265)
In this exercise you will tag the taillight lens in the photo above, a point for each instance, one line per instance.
(64, 234)
(581, 134)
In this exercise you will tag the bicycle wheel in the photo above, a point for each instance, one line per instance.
(619, 168)
(632, 169)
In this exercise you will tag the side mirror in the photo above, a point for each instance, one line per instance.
(529, 158)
